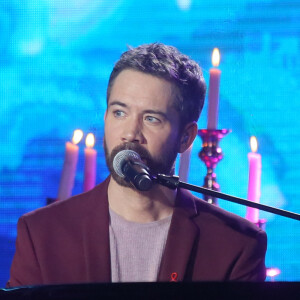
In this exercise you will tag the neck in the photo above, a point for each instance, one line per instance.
(141, 207)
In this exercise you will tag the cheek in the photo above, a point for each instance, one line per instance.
(110, 136)
(111, 125)
(163, 142)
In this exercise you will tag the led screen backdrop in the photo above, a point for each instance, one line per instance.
(55, 60)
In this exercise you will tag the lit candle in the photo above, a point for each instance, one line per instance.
(213, 92)
(69, 167)
(254, 180)
(90, 155)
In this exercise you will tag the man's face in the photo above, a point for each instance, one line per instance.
(141, 116)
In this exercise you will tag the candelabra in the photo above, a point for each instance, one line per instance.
(211, 153)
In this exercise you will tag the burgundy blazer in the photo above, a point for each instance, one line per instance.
(68, 242)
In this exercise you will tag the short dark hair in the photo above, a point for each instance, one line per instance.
(168, 63)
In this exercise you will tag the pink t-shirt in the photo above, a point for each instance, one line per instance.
(136, 248)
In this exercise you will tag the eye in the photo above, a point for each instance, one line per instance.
(152, 119)
(118, 113)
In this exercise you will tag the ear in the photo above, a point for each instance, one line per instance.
(188, 135)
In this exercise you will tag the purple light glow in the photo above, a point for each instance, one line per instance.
(272, 272)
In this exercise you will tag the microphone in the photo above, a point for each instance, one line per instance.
(128, 164)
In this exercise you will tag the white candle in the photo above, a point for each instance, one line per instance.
(254, 181)
(69, 167)
(213, 92)
(90, 156)
(184, 164)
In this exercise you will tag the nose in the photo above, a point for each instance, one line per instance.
(133, 131)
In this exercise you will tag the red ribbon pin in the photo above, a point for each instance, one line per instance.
(174, 276)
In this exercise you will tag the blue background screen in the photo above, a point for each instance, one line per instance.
(56, 57)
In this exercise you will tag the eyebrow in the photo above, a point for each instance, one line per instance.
(147, 111)
(117, 103)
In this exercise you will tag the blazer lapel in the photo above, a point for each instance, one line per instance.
(96, 236)
(181, 238)
(179, 246)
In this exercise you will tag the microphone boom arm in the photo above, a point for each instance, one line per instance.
(173, 182)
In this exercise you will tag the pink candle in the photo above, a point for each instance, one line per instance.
(213, 92)
(90, 155)
(69, 167)
(254, 181)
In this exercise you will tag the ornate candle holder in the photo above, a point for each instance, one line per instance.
(211, 154)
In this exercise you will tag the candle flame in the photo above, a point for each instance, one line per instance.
(272, 272)
(215, 58)
(90, 140)
(77, 136)
(253, 144)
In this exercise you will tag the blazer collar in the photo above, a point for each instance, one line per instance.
(179, 246)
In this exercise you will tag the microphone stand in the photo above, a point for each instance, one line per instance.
(173, 182)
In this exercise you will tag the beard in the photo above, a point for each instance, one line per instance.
(157, 165)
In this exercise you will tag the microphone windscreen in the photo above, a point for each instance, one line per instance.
(121, 158)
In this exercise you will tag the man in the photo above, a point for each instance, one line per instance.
(115, 233)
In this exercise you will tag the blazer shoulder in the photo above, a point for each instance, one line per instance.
(77, 206)
(216, 217)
